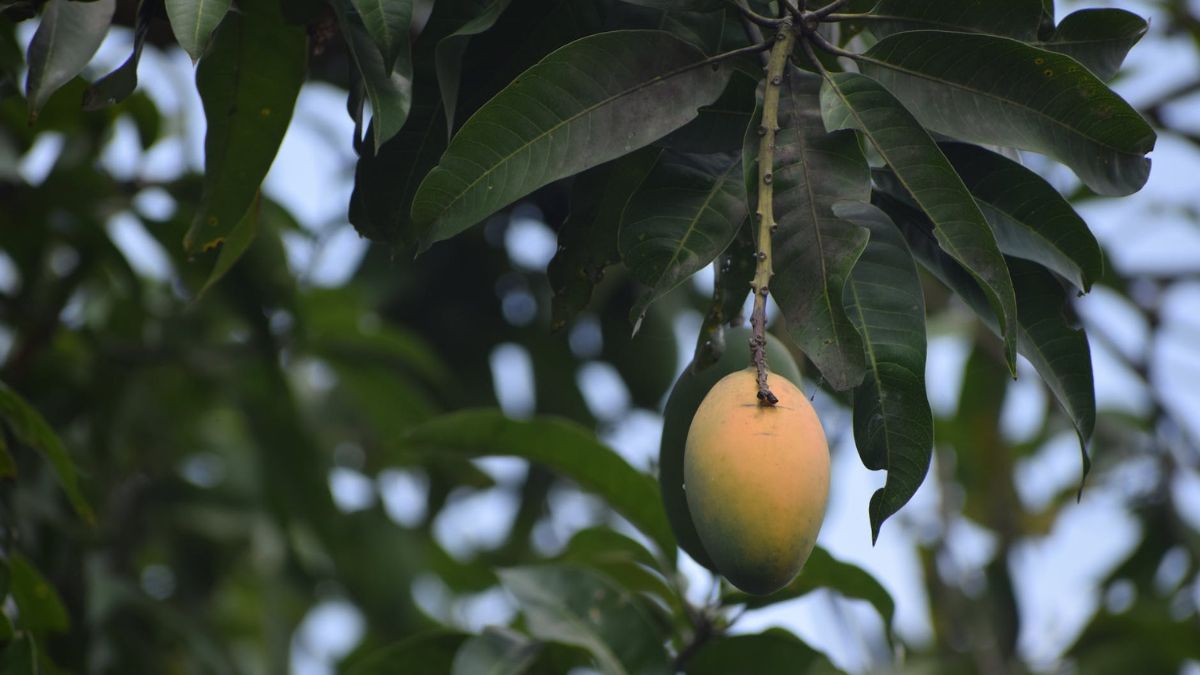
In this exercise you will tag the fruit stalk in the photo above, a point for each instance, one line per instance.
(776, 67)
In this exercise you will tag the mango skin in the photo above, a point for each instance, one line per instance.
(757, 481)
(685, 398)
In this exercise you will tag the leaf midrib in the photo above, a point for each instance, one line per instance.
(717, 187)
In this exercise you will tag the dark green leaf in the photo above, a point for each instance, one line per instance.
(997, 91)
(67, 37)
(582, 105)
(734, 273)
(28, 427)
(451, 49)
(248, 83)
(389, 23)
(774, 651)
(497, 651)
(1097, 38)
(234, 246)
(719, 127)
(429, 652)
(681, 5)
(560, 445)
(1030, 218)
(8, 467)
(38, 605)
(623, 560)
(587, 242)
(814, 250)
(683, 215)
(120, 83)
(1017, 19)
(388, 85)
(893, 425)
(824, 571)
(576, 606)
(20, 657)
(849, 100)
(193, 22)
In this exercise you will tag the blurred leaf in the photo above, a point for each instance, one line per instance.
(248, 83)
(193, 22)
(121, 83)
(388, 85)
(893, 425)
(389, 23)
(814, 249)
(28, 427)
(428, 652)
(448, 56)
(588, 240)
(824, 571)
(849, 100)
(577, 606)
(6, 632)
(991, 90)
(774, 651)
(562, 446)
(234, 245)
(66, 38)
(734, 274)
(624, 560)
(1017, 19)
(8, 466)
(490, 162)
(681, 5)
(1097, 38)
(20, 657)
(497, 651)
(681, 217)
(38, 605)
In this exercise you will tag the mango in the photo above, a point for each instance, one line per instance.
(689, 390)
(757, 481)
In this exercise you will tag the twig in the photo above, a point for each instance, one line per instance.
(822, 12)
(753, 16)
(750, 28)
(828, 46)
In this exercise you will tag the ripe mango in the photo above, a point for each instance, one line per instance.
(757, 481)
(689, 390)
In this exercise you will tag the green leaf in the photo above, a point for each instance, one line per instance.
(497, 651)
(849, 100)
(20, 657)
(773, 651)
(997, 91)
(681, 5)
(448, 56)
(560, 445)
(28, 427)
(587, 241)
(193, 22)
(579, 107)
(248, 83)
(720, 127)
(234, 246)
(1030, 218)
(38, 605)
(893, 425)
(1017, 19)
(624, 560)
(8, 466)
(1097, 38)
(814, 250)
(683, 215)
(1046, 334)
(67, 37)
(824, 571)
(389, 23)
(388, 85)
(576, 606)
(120, 83)
(429, 652)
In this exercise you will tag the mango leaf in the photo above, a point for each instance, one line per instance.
(850, 100)
(719, 127)
(8, 466)
(20, 657)
(67, 37)
(1098, 38)
(388, 85)
(234, 246)
(248, 83)
(624, 560)
(587, 241)
(431, 652)
(580, 607)
(681, 5)
(683, 215)
(1018, 19)
(30, 428)
(893, 425)
(496, 651)
(560, 445)
(824, 571)
(448, 56)
(38, 605)
(120, 83)
(734, 274)
(389, 23)
(1030, 218)
(582, 105)
(773, 651)
(814, 249)
(1046, 334)
(193, 22)
(996, 91)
